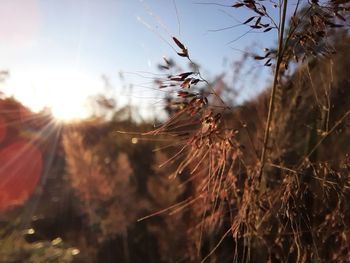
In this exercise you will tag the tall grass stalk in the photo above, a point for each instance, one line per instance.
(273, 91)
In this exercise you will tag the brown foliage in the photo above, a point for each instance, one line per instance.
(281, 207)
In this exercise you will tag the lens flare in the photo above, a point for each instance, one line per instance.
(20, 170)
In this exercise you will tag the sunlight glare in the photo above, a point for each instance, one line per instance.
(63, 92)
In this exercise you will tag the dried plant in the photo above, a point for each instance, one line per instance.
(268, 191)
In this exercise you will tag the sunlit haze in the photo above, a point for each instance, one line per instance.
(62, 91)
(57, 51)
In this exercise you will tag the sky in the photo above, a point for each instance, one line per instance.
(58, 51)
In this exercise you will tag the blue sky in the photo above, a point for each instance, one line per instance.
(52, 47)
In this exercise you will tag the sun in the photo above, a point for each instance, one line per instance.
(64, 92)
(68, 105)
(68, 111)
(68, 96)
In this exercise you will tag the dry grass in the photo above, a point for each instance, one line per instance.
(273, 191)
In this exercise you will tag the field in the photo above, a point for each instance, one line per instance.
(210, 177)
